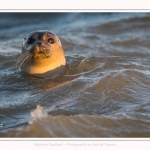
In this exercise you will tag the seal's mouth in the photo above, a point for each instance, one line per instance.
(39, 51)
(40, 54)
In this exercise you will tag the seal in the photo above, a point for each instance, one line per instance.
(42, 55)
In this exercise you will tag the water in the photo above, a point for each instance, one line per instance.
(106, 93)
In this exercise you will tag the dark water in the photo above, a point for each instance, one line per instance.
(106, 94)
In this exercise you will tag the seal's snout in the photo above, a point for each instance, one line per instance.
(35, 50)
(39, 47)
(40, 43)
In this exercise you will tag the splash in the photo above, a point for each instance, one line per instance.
(38, 113)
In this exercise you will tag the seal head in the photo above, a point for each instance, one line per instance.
(42, 55)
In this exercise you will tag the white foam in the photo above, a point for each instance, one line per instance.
(38, 113)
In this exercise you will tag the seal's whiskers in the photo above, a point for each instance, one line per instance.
(25, 59)
(47, 54)
(21, 58)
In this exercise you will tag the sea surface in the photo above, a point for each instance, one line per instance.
(106, 93)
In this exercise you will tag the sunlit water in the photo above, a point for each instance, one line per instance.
(107, 91)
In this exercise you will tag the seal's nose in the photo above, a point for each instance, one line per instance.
(35, 49)
(38, 47)
(40, 43)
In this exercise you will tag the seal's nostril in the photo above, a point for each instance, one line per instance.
(40, 43)
(35, 49)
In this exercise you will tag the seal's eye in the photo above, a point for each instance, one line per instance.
(30, 40)
(51, 40)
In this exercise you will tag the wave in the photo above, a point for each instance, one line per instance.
(118, 125)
